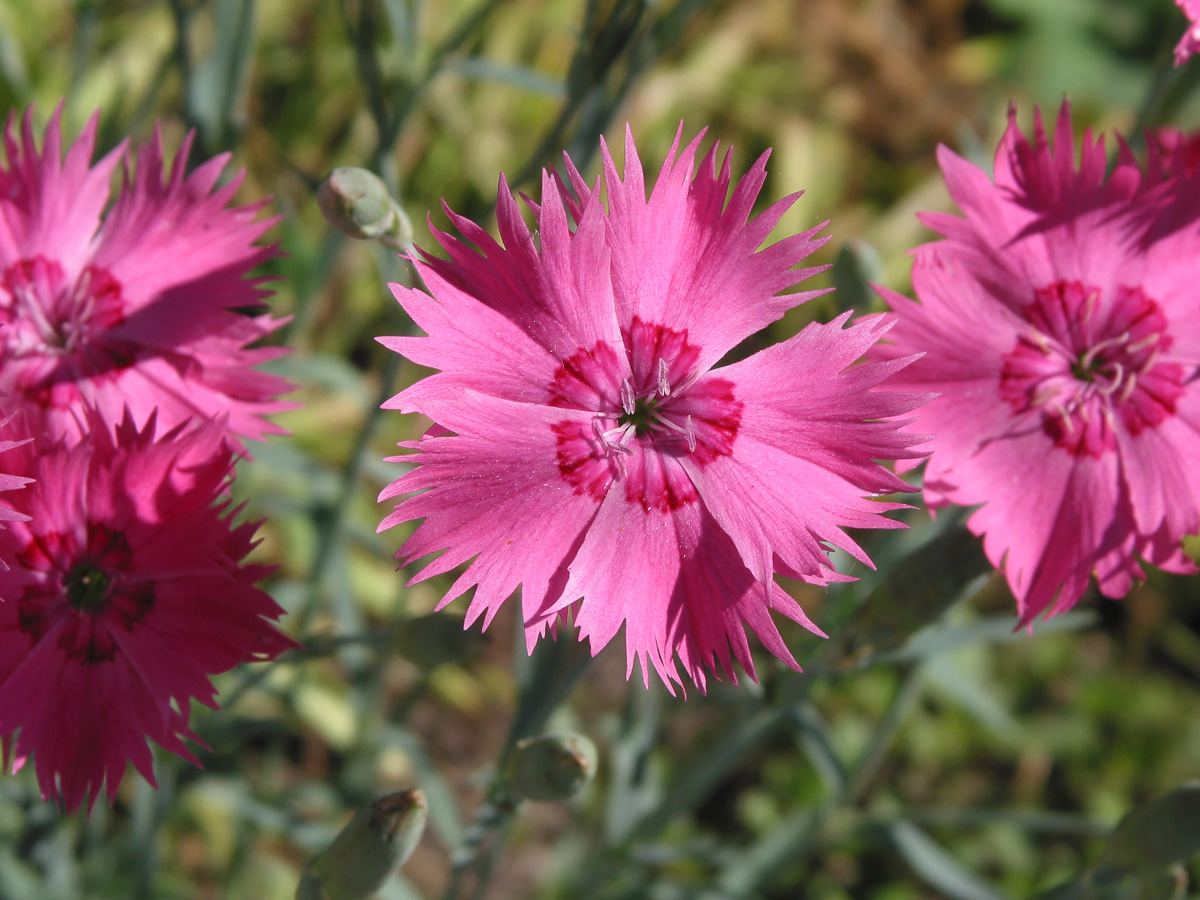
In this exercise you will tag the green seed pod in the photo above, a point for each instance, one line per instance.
(372, 846)
(357, 203)
(552, 767)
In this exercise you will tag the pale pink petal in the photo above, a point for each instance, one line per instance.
(48, 204)
(804, 396)
(662, 594)
(687, 259)
(800, 512)
(472, 345)
(1047, 520)
(558, 293)
(514, 514)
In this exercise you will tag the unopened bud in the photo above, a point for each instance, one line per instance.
(372, 846)
(552, 767)
(357, 203)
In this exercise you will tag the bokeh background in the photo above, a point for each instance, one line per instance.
(933, 752)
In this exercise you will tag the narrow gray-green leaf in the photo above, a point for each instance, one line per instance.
(954, 683)
(937, 867)
(996, 630)
(856, 265)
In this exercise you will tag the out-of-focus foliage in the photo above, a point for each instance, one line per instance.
(929, 751)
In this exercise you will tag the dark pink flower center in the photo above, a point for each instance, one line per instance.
(651, 408)
(53, 315)
(87, 587)
(89, 593)
(56, 326)
(1088, 366)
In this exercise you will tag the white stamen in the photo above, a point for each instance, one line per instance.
(1130, 384)
(1150, 362)
(1043, 395)
(26, 298)
(612, 439)
(598, 430)
(621, 448)
(1042, 341)
(1144, 342)
(1117, 378)
(628, 401)
(687, 430)
(1090, 356)
(664, 378)
(619, 462)
(1065, 416)
(1110, 419)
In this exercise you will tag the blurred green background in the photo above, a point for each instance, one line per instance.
(965, 762)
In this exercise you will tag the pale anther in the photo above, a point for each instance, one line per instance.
(664, 378)
(1042, 342)
(1065, 416)
(1109, 419)
(1117, 377)
(628, 401)
(1145, 342)
(1130, 384)
(1090, 356)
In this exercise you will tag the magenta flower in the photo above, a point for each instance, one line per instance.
(587, 450)
(1059, 323)
(141, 306)
(126, 592)
(1171, 152)
(10, 482)
(1190, 42)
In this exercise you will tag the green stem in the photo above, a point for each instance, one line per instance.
(548, 679)
(471, 23)
(1161, 80)
(334, 515)
(183, 58)
(797, 836)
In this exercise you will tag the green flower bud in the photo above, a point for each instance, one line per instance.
(552, 767)
(372, 846)
(1164, 831)
(357, 203)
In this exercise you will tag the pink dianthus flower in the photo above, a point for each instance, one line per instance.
(144, 305)
(1060, 325)
(126, 591)
(587, 450)
(1190, 42)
